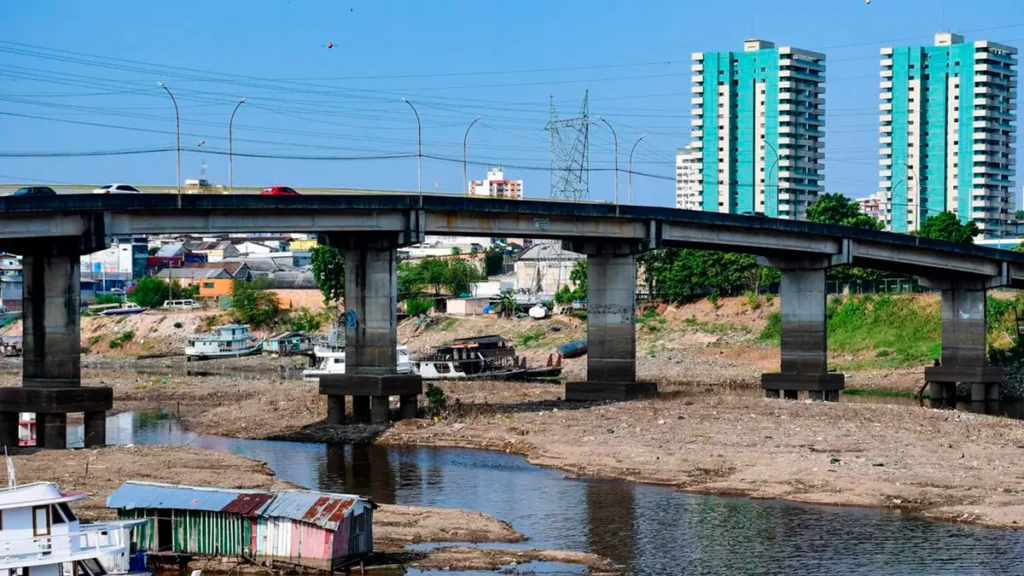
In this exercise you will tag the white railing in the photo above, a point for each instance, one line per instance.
(92, 540)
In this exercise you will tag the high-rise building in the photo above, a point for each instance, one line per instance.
(874, 205)
(496, 186)
(688, 177)
(758, 122)
(947, 141)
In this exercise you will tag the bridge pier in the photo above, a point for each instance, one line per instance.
(804, 363)
(611, 323)
(51, 367)
(964, 346)
(371, 334)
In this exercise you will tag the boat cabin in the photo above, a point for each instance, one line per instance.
(229, 341)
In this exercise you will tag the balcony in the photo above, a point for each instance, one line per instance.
(697, 122)
(697, 68)
(885, 85)
(887, 73)
(885, 173)
(885, 140)
(885, 162)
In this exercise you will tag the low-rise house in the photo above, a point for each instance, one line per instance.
(467, 306)
(287, 343)
(215, 251)
(314, 529)
(545, 267)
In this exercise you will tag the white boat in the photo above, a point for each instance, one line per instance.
(41, 536)
(229, 341)
(126, 308)
(331, 360)
(438, 369)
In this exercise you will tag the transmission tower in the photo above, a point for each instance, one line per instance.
(570, 161)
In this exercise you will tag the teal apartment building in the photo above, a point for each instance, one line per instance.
(947, 138)
(757, 132)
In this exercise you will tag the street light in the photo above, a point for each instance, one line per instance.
(629, 185)
(177, 132)
(231, 171)
(465, 170)
(616, 138)
(768, 176)
(419, 148)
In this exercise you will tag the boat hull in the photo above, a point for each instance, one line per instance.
(215, 355)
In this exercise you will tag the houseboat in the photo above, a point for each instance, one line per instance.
(124, 309)
(330, 360)
(41, 536)
(228, 341)
(481, 357)
(288, 344)
(283, 529)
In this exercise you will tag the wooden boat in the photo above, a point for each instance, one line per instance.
(229, 341)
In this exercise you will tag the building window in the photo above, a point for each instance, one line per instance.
(208, 285)
(41, 520)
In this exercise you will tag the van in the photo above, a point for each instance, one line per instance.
(181, 305)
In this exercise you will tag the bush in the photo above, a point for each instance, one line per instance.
(121, 339)
(772, 332)
(151, 292)
(177, 324)
(303, 320)
(713, 298)
(437, 401)
(107, 299)
(563, 297)
(253, 303)
(753, 300)
(418, 306)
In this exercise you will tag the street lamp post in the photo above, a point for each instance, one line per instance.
(177, 132)
(465, 161)
(615, 137)
(419, 148)
(768, 177)
(231, 170)
(629, 177)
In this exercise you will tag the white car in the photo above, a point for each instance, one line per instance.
(116, 189)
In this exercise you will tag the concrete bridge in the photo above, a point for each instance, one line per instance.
(51, 233)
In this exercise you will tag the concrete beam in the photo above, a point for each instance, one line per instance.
(767, 241)
(922, 261)
(35, 225)
(208, 222)
(496, 224)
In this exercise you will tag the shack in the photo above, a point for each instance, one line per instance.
(310, 529)
(287, 343)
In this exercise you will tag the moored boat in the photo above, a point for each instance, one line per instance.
(124, 309)
(330, 360)
(229, 341)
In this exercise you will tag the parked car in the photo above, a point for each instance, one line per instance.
(116, 189)
(34, 191)
(278, 191)
(181, 305)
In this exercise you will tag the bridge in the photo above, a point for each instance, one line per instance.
(52, 233)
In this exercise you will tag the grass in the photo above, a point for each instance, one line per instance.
(879, 392)
(448, 324)
(531, 339)
(714, 327)
(121, 339)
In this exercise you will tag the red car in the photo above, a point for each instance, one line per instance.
(278, 191)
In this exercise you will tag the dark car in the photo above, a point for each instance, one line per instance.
(278, 191)
(34, 191)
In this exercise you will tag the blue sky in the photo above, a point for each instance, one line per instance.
(82, 76)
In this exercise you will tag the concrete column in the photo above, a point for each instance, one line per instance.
(335, 410)
(95, 428)
(380, 409)
(360, 409)
(611, 324)
(804, 364)
(51, 330)
(408, 406)
(964, 345)
(52, 431)
(9, 429)
(371, 308)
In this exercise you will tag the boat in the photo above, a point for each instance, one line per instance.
(480, 357)
(228, 341)
(288, 344)
(573, 349)
(43, 535)
(330, 360)
(126, 308)
(10, 345)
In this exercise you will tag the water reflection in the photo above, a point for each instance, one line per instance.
(649, 529)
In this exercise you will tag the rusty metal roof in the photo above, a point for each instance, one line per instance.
(247, 504)
(319, 508)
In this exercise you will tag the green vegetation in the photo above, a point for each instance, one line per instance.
(177, 324)
(772, 331)
(946, 226)
(507, 305)
(837, 209)
(121, 339)
(328, 265)
(151, 292)
(253, 302)
(437, 401)
(531, 339)
(418, 306)
(901, 331)
(879, 392)
(682, 276)
(107, 299)
(448, 324)
(650, 321)
(494, 261)
(753, 301)
(305, 320)
(94, 340)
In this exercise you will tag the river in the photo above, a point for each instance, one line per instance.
(648, 529)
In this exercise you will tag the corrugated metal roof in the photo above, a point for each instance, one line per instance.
(132, 495)
(324, 510)
(247, 504)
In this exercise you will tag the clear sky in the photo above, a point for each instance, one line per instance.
(80, 76)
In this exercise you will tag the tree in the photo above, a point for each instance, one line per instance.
(456, 251)
(434, 272)
(946, 226)
(153, 250)
(578, 276)
(506, 305)
(494, 261)
(410, 280)
(1019, 214)
(151, 292)
(329, 272)
(835, 208)
(253, 302)
(459, 275)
